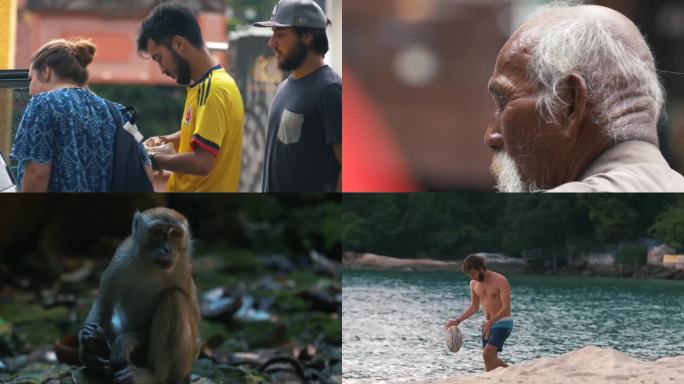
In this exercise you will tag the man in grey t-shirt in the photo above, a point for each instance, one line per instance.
(304, 139)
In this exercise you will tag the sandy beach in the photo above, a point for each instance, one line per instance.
(587, 365)
(370, 260)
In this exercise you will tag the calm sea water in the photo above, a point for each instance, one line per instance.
(392, 322)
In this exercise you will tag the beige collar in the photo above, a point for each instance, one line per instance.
(628, 152)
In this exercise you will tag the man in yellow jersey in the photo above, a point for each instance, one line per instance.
(209, 143)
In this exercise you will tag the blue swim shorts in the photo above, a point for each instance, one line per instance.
(498, 334)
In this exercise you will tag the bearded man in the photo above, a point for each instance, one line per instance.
(209, 141)
(304, 139)
(490, 290)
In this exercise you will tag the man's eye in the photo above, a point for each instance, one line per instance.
(500, 101)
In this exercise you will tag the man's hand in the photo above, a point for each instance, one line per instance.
(485, 329)
(450, 323)
(155, 141)
(159, 145)
(169, 143)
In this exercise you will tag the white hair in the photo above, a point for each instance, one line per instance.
(507, 174)
(621, 81)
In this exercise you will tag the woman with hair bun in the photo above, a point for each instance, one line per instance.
(65, 141)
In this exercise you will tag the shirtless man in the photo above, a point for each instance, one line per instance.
(490, 289)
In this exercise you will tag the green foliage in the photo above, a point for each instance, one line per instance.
(670, 227)
(242, 261)
(541, 221)
(309, 327)
(246, 12)
(316, 227)
(614, 217)
(331, 226)
(210, 373)
(159, 109)
(633, 255)
(260, 334)
(38, 372)
(22, 313)
(453, 225)
(620, 217)
(289, 224)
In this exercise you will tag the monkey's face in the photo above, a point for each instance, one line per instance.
(165, 243)
(162, 236)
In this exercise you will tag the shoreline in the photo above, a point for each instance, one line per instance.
(590, 364)
(371, 261)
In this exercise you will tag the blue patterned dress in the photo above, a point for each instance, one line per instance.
(73, 130)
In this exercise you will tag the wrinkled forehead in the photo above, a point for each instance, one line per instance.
(511, 63)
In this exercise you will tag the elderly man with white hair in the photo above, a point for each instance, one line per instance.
(578, 102)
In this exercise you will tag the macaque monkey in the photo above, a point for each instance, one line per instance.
(142, 328)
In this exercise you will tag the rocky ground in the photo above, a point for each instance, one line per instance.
(265, 318)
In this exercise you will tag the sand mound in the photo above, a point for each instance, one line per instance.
(587, 365)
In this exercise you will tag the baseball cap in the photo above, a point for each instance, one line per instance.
(296, 13)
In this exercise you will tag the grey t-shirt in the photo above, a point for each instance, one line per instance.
(304, 121)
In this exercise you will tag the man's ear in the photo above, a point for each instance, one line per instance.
(308, 38)
(577, 108)
(178, 43)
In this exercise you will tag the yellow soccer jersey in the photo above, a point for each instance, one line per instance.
(212, 120)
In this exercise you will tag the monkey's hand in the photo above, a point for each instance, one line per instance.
(92, 336)
(134, 375)
(94, 350)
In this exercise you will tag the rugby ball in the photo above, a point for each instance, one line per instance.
(454, 338)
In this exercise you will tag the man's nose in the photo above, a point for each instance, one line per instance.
(493, 136)
(271, 43)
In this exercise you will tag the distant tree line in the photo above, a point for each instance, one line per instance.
(451, 226)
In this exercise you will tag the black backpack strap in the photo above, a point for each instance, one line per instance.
(133, 115)
(128, 168)
(117, 166)
(115, 114)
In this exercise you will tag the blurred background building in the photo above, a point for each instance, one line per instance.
(423, 66)
(120, 74)
(113, 27)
